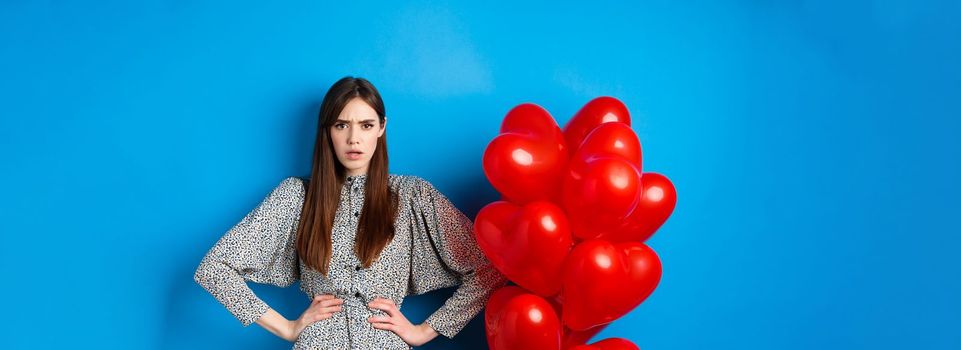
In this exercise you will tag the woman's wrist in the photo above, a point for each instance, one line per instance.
(429, 332)
(280, 325)
(294, 329)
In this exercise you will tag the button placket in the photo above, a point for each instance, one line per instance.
(354, 285)
(358, 200)
(354, 269)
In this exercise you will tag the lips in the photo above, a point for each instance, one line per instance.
(354, 155)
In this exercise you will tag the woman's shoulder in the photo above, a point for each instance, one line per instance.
(291, 186)
(408, 184)
(293, 181)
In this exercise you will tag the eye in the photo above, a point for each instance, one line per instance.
(340, 126)
(368, 126)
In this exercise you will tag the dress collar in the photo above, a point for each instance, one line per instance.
(357, 178)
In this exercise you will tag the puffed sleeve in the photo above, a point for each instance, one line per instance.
(261, 248)
(445, 254)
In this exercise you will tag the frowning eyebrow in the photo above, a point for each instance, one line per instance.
(371, 121)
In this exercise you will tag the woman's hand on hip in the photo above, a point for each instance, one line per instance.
(321, 308)
(394, 321)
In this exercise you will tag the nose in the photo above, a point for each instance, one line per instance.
(352, 136)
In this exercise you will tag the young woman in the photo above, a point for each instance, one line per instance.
(358, 238)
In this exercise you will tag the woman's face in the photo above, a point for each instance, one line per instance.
(355, 134)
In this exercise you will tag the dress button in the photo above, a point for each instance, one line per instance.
(356, 214)
(357, 268)
(357, 294)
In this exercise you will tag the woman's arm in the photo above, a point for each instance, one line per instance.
(447, 255)
(260, 248)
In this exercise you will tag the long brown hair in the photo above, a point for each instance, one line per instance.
(375, 228)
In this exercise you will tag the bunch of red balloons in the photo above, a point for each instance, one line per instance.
(570, 228)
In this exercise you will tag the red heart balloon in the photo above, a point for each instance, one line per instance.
(491, 230)
(527, 244)
(612, 139)
(598, 193)
(604, 281)
(655, 204)
(534, 120)
(498, 300)
(609, 344)
(527, 160)
(598, 111)
(519, 320)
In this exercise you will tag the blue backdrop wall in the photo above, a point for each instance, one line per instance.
(814, 144)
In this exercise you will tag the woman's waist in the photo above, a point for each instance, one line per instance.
(348, 329)
(353, 296)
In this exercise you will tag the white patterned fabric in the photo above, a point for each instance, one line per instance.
(433, 247)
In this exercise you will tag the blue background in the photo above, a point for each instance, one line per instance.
(814, 145)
